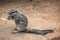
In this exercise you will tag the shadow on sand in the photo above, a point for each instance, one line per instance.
(56, 38)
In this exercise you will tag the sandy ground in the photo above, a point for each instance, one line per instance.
(41, 14)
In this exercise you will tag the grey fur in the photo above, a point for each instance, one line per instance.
(22, 22)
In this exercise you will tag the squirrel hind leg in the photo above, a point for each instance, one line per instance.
(15, 31)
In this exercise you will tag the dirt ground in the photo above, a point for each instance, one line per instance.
(41, 14)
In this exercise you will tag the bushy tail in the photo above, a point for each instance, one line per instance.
(35, 31)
